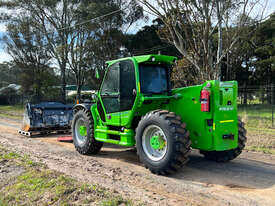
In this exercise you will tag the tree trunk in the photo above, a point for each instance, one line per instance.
(228, 70)
(78, 96)
(219, 52)
(38, 90)
(245, 95)
(63, 83)
(269, 90)
(262, 95)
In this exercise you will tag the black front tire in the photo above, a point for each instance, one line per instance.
(178, 142)
(225, 156)
(90, 145)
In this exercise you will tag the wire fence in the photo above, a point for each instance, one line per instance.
(256, 105)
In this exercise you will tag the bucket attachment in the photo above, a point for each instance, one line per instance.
(46, 117)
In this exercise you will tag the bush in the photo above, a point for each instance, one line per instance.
(10, 96)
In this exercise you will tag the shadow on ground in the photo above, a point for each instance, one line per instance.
(239, 173)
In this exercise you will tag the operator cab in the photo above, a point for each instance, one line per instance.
(126, 81)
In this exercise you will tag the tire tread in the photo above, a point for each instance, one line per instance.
(180, 135)
(92, 146)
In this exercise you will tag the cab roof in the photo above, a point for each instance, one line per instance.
(148, 58)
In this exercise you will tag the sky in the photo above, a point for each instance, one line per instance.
(4, 56)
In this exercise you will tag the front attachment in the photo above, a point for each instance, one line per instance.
(46, 117)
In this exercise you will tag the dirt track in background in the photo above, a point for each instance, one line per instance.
(248, 180)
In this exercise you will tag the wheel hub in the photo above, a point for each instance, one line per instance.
(83, 130)
(154, 142)
(157, 142)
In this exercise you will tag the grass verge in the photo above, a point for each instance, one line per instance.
(13, 112)
(38, 185)
(256, 115)
(258, 122)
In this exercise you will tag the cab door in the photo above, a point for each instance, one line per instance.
(117, 94)
(110, 96)
(128, 90)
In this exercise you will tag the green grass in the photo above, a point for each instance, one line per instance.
(14, 108)
(115, 202)
(258, 122)
(258, 115)
(38, 185)
(13, 112)
(11, 116)
(20, 160)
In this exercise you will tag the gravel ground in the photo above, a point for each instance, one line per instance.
(248, 180)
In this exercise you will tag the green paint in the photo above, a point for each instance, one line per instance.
(202, 135)
(185, 102)
(83, 131)
(147, 58)
(157, 142)
(127, 137)
(97, 74)
(154, 141)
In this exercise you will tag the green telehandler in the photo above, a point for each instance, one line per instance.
(136, 106)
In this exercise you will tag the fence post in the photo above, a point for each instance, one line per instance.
(272, 103)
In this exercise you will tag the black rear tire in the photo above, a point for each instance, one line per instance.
(225, 156)
(89, 145)
(177, 144)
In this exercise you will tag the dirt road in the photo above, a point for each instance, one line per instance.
(248, 180)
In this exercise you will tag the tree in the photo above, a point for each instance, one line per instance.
(252, 61)
(53, 19)
(9, 74)
(99, 39)
(264, 48)
(29, 52)
(79, 34)
(89, 44)
(264, 63)
(194, 27)
(147, 41)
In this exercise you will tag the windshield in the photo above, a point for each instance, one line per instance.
(153, 78)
